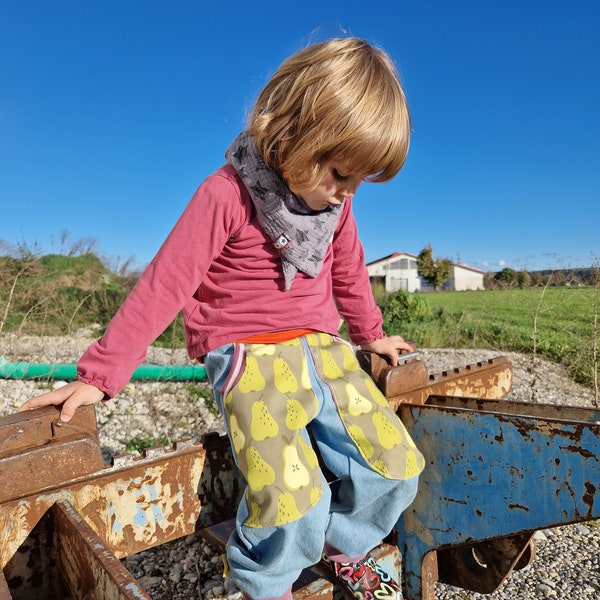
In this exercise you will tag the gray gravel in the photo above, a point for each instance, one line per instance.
(567, 558)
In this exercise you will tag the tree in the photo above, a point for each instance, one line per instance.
(506, 277)
(435, 272)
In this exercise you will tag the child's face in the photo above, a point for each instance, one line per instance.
(337, 184)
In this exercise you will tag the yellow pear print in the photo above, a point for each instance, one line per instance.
(251, 379)
(325, 339)
(293, 342)
(287, 511)
(357, 403)
(263, 425)
(295, 474)
(309, 454)
(376, 393)
(260, 472)
(350, 362)
(262, 349)
(254, 519)
(330, 368)
(312, 339)
(412, 465)
(381, 468)
(304, 376)
(228, 399)
(237, 435)
(296, 417)
(360, 439)
(387, 433)
(284, 379)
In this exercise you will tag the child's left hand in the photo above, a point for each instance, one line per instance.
(389, 346)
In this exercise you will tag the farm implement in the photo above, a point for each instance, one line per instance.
(496, 471)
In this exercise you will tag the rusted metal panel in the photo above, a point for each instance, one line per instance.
(490, 379)
(133, 504)
(36, 451)
(493, 474)
(407, 376)
(63, 559)
(470, 524)
(38, 427)
(87, 565)
(410, 381)
(4, 591)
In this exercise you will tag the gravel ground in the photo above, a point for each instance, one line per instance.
(567, 558)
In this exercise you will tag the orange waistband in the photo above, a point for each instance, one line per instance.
(276, 337)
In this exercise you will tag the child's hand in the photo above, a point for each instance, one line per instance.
(71, 396)
(389, 346)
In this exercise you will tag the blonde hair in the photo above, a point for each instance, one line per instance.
(338, 100)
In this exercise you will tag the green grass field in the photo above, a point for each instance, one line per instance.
(555, 322)
(56, 295)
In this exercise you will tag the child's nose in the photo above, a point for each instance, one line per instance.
(347, 190)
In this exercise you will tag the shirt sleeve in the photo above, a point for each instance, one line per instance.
(169, 281)
(350, 280)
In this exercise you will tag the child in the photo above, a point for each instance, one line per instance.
(261, 261)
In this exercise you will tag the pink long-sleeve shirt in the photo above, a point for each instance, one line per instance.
(219, 267)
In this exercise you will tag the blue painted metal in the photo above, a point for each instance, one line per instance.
(495, 468)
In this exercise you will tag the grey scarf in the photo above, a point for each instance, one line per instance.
(300, 234)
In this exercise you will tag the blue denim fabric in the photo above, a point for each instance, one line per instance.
(355, 512)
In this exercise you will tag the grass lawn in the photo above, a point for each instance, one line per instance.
(556, 322)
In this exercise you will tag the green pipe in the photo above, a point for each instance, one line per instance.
(23, 370)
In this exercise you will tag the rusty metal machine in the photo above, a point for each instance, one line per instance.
(496, 472)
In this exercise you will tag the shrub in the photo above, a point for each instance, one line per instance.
(402, 308)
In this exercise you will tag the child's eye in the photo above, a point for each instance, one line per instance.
(338, 176)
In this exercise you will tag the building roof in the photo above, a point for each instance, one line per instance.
(409, 255)
(395, 255)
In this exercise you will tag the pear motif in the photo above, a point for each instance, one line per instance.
(381, 468)
(304, 376)
(251, 379)
(312, 339)
(414, 464)
(263, 425)
(284, 379)
(296, 417)
(330, 368)
(376, 393)
(260, 472)
(357, 403)
(387, 433)
(237, 435)
(287, 511)
(262, 349)
(295, 474)
(325, 339)
(254, 519)
(309, 454)
(350, 362)
(360, 439)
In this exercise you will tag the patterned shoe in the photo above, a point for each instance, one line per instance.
(364, 580)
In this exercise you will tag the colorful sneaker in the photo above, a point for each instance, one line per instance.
(364, 580)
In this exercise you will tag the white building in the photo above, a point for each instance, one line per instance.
(399, 272)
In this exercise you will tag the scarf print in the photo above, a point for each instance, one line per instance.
(300, 234)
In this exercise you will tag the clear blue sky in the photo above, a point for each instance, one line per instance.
(112, 113)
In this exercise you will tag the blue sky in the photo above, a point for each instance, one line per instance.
(112, 113)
